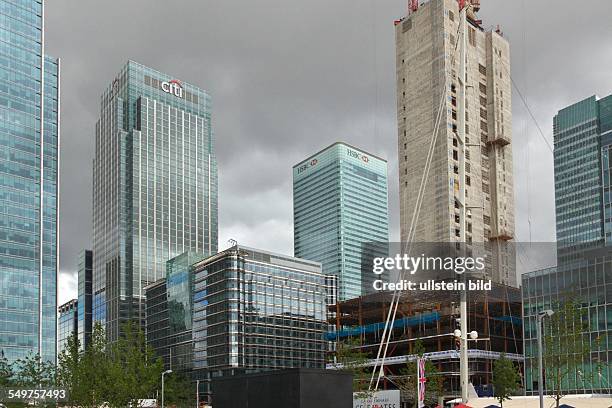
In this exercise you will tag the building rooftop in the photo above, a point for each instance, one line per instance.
(336, 144)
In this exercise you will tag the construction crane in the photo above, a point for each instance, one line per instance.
(414, 6)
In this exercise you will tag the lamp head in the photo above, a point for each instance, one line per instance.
(546, 313)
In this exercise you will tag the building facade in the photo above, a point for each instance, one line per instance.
(340, 206)
(169, 313)
(428, 43)
(257, 311)
(29, 144)
(589, 281)
(427, 319)
(583, 142)
(155, 187)
(68, 323)
(85, 319)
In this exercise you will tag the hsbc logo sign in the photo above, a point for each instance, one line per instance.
(306, 166)
(173, 87)
(357, 155)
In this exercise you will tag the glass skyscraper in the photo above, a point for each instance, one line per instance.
(29, 144)
(583, 198)
(340, 205)
(155, 187)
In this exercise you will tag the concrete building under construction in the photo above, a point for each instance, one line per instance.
(431, 318)
(428, 45)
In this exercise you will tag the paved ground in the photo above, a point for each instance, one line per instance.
(532, 402)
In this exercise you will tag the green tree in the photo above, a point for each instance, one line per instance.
(135, 370)
(33, 371)
(407, 382)
(565, 349)
(6, 371)
(179, 391)
(350, 357)
(69, 368)
(506, 379)
(92, 378)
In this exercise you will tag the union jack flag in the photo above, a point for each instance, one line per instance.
(421, 382)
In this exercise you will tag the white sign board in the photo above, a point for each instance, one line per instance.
(380, 399)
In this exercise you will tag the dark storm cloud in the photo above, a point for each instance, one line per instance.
(288, 78)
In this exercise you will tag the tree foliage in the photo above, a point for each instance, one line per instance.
(117, 374)
(350, 357)
(33, 371)
(565, 349)
(179, 391)
(506, 379)
(134, 366)
(6, 371)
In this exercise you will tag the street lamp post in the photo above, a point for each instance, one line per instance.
(541, 317)
(162, 396)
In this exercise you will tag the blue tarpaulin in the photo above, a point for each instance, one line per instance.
(374, 327)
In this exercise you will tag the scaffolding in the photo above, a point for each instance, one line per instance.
(431, 318)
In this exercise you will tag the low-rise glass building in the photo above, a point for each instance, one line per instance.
(242, 310)
(589, 281)
(169, 313)
(67, 323)
(256, 311)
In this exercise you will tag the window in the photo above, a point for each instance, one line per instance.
(482, 69)
(451, 16)
(472, 37)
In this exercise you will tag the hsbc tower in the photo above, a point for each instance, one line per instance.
(340, 207)
(154, 187)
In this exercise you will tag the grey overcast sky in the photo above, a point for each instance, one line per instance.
(288, 78)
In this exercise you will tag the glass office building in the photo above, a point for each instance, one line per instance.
(85, 272)
(590, 281)
(67, 323)
(583, 198)
(583, 139)
(169, 313)
(29, 143)
(255, 311)
(155, 187)
(340, 204)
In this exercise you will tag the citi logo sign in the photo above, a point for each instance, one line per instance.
(173, 87)
(358, 155)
